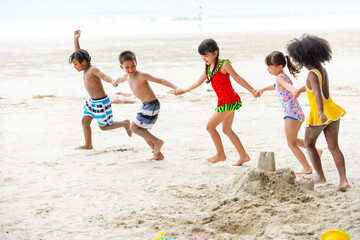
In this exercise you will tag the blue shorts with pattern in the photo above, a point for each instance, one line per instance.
(148, 114)
(99, 109)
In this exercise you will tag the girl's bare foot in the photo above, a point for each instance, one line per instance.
(343, 186)
(127, 127)
(304, 171)
(318, 180)
(84, 147)
(158, 156)
(216, 158)
(242, 160)
(157, 146)
(320, 152)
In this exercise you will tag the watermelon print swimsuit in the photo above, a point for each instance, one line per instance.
(228, 99)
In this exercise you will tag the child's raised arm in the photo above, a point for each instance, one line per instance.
(77, 34)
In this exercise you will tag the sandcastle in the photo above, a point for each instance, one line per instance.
(267, 161)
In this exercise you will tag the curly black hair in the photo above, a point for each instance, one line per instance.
(309, 50)
(80, 55)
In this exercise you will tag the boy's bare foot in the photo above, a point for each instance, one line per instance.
(318, 180)
(157, 146)
(84, 147)
(242, 160)
(343, 187)
(158, 156)
(216, 158)
(304, 171)
(127, 127)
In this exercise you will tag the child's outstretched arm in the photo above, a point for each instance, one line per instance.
(314, 83)
(196, 84)
(260, 91)
(116, 82)
(77, 34)
(160, 81)
(280, 81)
(299, 91)
(102, 75)
(229, 69)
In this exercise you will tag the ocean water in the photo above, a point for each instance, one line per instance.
(108, 26)
(51, 18)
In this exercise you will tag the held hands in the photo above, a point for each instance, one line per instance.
(257, 92)
(297, 93)
(176, 91)
(115, 83)
(77, 34)
(179, 91)
(322, 116)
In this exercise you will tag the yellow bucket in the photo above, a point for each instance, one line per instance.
(335, 234)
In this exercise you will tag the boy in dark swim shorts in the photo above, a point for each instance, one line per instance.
(148, 114)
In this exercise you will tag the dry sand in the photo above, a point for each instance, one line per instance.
(48, 190)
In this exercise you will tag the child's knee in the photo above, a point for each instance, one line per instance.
(133, 127)
(333, 148)
(292, 144)
(104, 128)
(209, 128)
(86, 121)
(227, 131)
(309, 144)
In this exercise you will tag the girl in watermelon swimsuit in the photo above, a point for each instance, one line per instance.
(217, 72)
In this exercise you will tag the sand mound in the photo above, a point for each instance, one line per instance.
(256, 197)
(279, 185)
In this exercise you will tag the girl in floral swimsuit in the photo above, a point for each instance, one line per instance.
(217, 72)
(293, 114)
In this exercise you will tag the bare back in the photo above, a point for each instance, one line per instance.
(324, 83)
(140, 87)
(93, 84)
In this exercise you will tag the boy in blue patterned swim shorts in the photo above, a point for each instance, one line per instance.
(98, 105)
(149, 110)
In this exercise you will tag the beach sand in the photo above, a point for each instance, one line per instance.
(49, 190)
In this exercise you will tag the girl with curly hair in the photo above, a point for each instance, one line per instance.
(311, 52)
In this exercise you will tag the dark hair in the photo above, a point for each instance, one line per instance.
(80, 55)
(309, 50)
(277, 58)
(208, 46)
(127, 56)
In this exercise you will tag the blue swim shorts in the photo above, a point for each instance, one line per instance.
(99, 109)
(148, 114)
